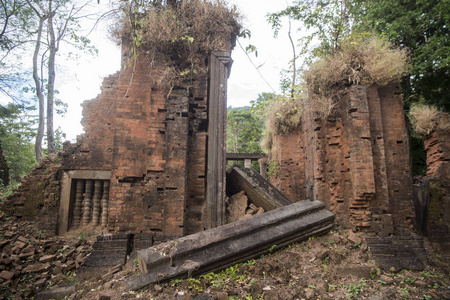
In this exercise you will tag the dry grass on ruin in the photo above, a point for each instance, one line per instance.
(363, 61)
(282, 115)
(366, 60)
(192, 25)
(426, 119)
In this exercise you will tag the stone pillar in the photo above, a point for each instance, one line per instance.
(87, 203)
(78, 203)
(96, 205)
(248, 163)
(220, 62)
(105, 199)
(263, 168)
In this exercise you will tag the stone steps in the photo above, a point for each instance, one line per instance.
(398, 252)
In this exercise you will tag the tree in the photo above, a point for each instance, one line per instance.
(326, 22)
(16, 135)
(243, 132)
(58, 21)
(14, 33)
(422, 27)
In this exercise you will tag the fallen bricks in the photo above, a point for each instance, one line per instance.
(258, 190)
(223, 246)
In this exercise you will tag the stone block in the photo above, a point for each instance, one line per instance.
(217, 248)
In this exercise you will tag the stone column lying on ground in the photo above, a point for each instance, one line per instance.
(223, 246)
(258, 190)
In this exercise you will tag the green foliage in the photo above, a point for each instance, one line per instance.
(355, 289)
(374, 272)
(243, 132)
(326, 23)
(229, 274)
(422, 28)
(175, 282)
(16, 135)
(195, 284)
(273, 169)
(261, 104)
(410, 280)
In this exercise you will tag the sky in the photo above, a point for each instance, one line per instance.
(81, 79)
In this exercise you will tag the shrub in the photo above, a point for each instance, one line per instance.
(361, 60)
(190, 25)
(426, 119)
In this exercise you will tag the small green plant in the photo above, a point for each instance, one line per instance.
(405, 292)
(251, 282)
(410, 280)
(325, 269)
(312, 286)
(332, 287)
(331, 242)
(195, 284)
(175, 282)
(355, 289)
(381, 281)
(272, 248)
(374, 272)
(357, 245)
(273, 169)
(136, 263)
(303, 248)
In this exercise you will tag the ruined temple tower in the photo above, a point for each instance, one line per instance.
(152, 158)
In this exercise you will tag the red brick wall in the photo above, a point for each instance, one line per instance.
(93, 150)
(153, 137)
(357, 164)
(437, 146)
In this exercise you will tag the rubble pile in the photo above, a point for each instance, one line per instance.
(32, 260)
(239, 207)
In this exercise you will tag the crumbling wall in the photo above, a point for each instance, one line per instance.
(290, 177)
(357, 162)
(437, 146)
(159, 153)
(37, 198)
(93, 150)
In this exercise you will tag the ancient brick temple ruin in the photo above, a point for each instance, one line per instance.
(152, 158)
(437, 207)
(358, 163)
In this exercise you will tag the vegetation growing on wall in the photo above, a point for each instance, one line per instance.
(427, 118)
(360, 60)
(177, 30)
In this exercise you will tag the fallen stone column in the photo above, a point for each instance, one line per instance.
(258, 190)
(223, 246)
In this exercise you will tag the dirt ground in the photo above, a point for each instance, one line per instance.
(333, 266)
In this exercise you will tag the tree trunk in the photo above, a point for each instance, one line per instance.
(39, 93)
(51, 82)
